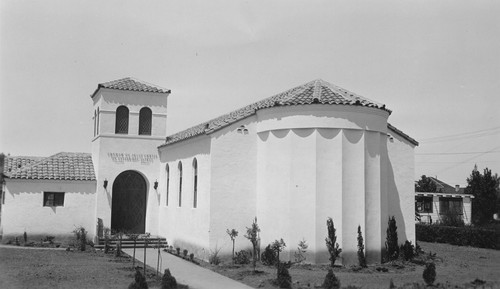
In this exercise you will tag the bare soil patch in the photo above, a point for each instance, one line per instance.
(38, 268)
(456, 267)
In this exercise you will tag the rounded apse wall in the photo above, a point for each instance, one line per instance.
(321, 161)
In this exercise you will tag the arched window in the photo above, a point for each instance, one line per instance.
(121, 124)
(179, 167)
(145, 116)
(195, 183)
(168, 182)
(97, 126)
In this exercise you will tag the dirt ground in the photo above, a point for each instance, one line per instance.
(38, 268)
(456, 267)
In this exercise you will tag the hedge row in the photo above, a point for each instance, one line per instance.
(461, 236)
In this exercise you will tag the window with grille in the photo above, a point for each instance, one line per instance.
(195, 183)
(180, 183)
(424, 204)
(145, 116)
(53, 199)
(168, 182)
(121, 125)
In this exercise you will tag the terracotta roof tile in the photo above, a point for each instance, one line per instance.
(61, 166)
(314, 92)
(131, 84)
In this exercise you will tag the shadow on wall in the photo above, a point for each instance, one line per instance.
(394, 205)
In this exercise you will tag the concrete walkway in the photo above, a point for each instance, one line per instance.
(186, 272)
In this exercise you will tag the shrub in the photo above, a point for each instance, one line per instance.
(331, 242)
(242, 257)
(300, 255)
(168, 281)
(178, 250)
(331, 281)
(214, 256)
(451, 220)
(429, 274)
(284, 278)
(80, 238)
(185, 252)
(139, 282)
(391, 243)
(191, 257)
(408, 251)
(464, 236)
(361, 248)
(269, 256)
(25, 236)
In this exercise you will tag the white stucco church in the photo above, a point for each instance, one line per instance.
(292, 160)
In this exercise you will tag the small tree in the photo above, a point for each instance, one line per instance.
(331, 281)
(168, 281)
(407, 250)
(146, 241)
(284, 278)
(425, 184)
(391, 243)
(300, 255)
(331, 242)
(361, 248)
(139, 282)
(278, 247)
(232, 234)
(485, 188)
(134, 238)
(429, 274)
(252, 235)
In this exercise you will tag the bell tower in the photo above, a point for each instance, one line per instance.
(130, 121)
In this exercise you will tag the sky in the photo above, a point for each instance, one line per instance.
(435, 64)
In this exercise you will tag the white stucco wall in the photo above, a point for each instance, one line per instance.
(401, 186)
(233, 184)
(185, 226)
(23, 210)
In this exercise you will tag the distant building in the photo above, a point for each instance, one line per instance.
(445, 202)
(292, 160)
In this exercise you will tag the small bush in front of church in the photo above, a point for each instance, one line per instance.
(331, 281)
(139, 281)
(80, 238)
(391, 243)
(242, 257)
(407, 250)
(168, 281)
(269, 257)
(429, 273)
(284, 279)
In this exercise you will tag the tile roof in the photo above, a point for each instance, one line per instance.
(444, 188)
(131, 84)
(314, 92)
(13, 163)
(61, 166)
(402, 134)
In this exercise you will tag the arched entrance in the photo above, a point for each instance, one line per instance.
(128, 208)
